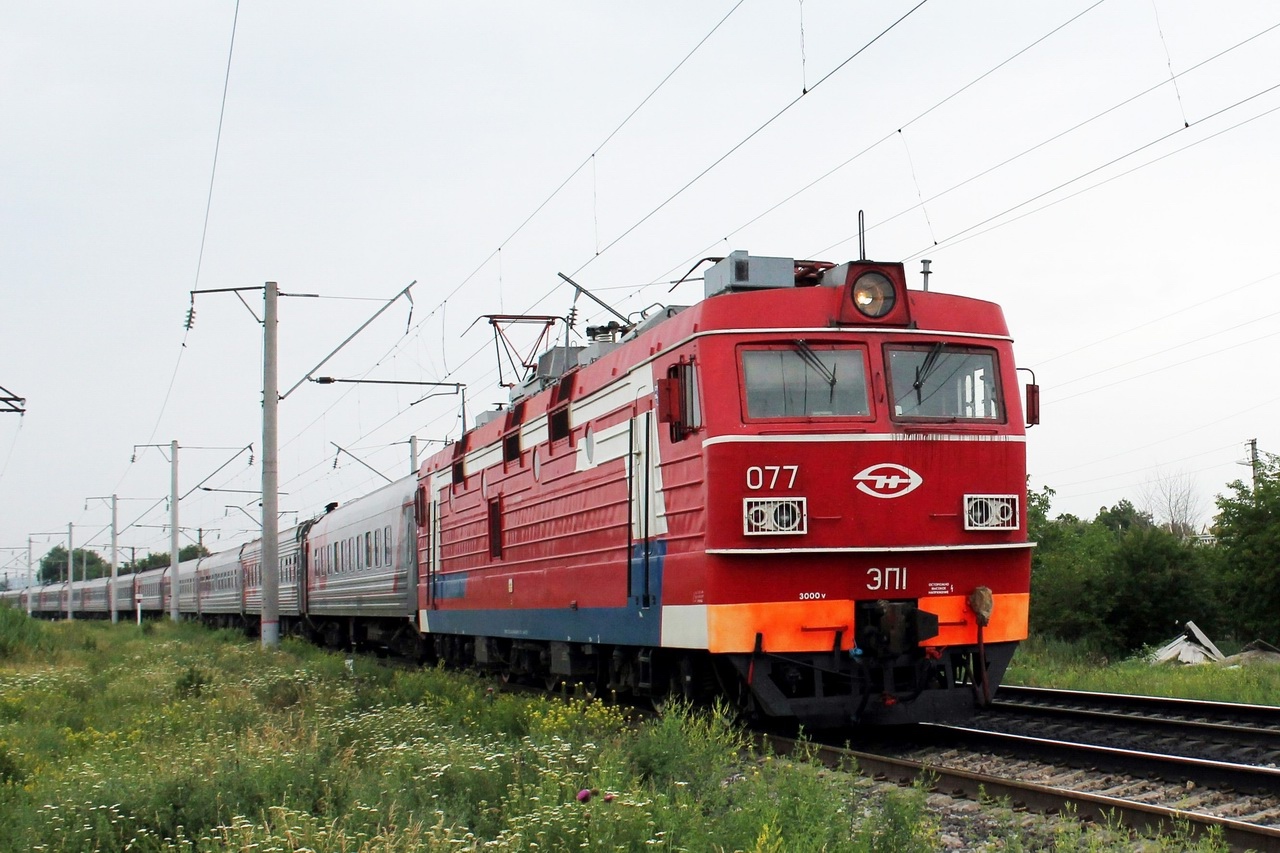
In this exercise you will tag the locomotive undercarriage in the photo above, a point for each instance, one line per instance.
(892, 676)
(590, 669)
(887, 684)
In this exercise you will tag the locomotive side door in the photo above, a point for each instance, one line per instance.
(648, 520)
(427, 558)
(409, 553)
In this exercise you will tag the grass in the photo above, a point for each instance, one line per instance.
(182, 739)
(1049, 663)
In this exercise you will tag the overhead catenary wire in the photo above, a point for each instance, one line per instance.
(1029, 150)
(465, 363)
(969, 233)
(468, 359)
(703, 252)
(588, 159)
(442, 306)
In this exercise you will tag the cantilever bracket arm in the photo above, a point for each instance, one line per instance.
(580, 289)
(11, 403)
(350, 337)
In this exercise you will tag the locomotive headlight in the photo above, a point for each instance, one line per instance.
(873, 294)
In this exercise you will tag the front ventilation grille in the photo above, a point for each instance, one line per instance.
(991, 512)
(762, 516)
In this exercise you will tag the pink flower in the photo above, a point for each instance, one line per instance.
(584, 795)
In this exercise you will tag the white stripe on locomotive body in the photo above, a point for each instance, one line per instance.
(901, 549)
(635, 384)
(610, 443)
(534, 432)
(827, 438)
(684, 626)
(639, 382)
(850, 331)
(482, 458)
(647, 449)
(439, 483)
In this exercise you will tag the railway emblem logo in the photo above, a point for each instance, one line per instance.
(887, 480)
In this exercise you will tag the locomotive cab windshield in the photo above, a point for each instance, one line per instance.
(800, 380)
(944, 382)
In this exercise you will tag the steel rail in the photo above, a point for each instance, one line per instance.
(1038, 797)
(1262, 715)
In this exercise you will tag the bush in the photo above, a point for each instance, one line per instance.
(20, 634)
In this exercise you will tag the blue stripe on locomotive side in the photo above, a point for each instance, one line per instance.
(633, 624)
(622, 625)
(657, 559)
(452, 585)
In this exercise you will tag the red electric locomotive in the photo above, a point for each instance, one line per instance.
(805, 492)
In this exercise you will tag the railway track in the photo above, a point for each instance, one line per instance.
(1149, 762)
(1222, 731)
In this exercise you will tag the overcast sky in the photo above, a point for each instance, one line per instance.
(1110, 180)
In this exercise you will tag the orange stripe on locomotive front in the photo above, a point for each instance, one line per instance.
(958, 624)
(814, 626)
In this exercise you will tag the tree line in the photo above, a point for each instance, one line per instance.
(89, 564)
(1120, 581)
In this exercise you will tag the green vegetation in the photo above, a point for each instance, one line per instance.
(89, 564)
(183, 739)
(1121, 582)
(1067, 666)
(186, 739)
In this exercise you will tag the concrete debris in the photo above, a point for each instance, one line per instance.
(1257, 652)
(1191, 646)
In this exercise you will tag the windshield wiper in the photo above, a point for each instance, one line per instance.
(926, 367)
(809, 357)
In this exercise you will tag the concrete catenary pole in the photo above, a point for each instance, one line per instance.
(173, 535)
(31, 577)
(111, 590)
(270, 474)
(71, 571)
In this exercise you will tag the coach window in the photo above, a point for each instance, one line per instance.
(944, 382)
(800, 380)
(386, 545)
(368, 549)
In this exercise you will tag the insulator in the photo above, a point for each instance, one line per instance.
(572, 318)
